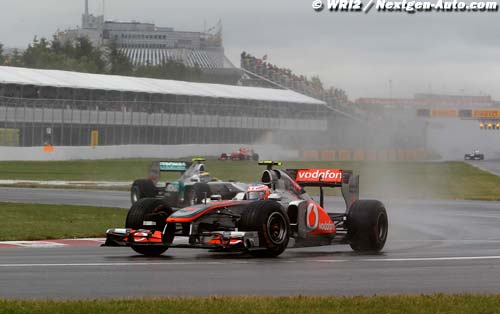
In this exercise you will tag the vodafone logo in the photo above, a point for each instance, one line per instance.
(319, 175)
(327, 226)
(312, 216)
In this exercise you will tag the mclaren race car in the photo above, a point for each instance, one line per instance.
(475, 155)
(287, 216)
(192, 187)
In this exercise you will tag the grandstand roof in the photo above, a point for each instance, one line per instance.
(190, 57)
(65, 79)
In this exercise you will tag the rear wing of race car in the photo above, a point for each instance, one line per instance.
(171, 166)
(345, 179)
(269, 163)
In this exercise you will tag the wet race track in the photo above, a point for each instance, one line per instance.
(433, 246)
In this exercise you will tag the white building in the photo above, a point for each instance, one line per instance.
(146, 43)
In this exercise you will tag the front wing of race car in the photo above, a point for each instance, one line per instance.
(223, 240)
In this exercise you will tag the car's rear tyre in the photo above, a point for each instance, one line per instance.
(255, 157)
(142, 188)
(273, 225)
(368, 226)
(151, 209)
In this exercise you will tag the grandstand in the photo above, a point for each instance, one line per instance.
(63, 108)
(262, 73)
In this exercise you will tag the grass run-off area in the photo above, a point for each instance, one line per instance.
(415, 180)
(442, 304)
(41, 222)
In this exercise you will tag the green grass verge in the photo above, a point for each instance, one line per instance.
(442, 180)
(40, 222)
(79, 170)
(442, 304)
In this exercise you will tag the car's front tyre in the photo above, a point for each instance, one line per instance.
(272, 224)
(150, 209)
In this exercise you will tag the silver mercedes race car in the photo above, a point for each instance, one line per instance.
(193, 186)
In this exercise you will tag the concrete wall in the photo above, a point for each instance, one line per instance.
(273, 152)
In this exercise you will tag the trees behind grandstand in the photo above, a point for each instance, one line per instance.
(81, 56)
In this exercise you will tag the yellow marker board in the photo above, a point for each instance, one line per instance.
(94, 138)
(444, 113)
(486, 113)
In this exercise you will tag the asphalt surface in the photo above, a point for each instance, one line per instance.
(433, 246)
(490, 165)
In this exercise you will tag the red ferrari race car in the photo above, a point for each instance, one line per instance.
(264, 221)
(244, 153)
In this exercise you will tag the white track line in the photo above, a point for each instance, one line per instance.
(416, 259)
(122, 264)
(425, 259)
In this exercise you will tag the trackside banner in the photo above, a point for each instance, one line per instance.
(319, 175)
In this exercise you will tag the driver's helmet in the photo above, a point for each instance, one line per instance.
(257, 192)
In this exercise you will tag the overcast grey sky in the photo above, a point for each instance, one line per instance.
(451, 53)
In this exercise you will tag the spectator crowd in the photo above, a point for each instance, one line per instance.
(299, 83)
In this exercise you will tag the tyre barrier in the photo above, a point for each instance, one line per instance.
(328, 155)
(415, 154)
(310, 155)
(345, 154)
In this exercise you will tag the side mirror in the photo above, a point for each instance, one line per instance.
(216, 197)
(239, 197)
(275, 197)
